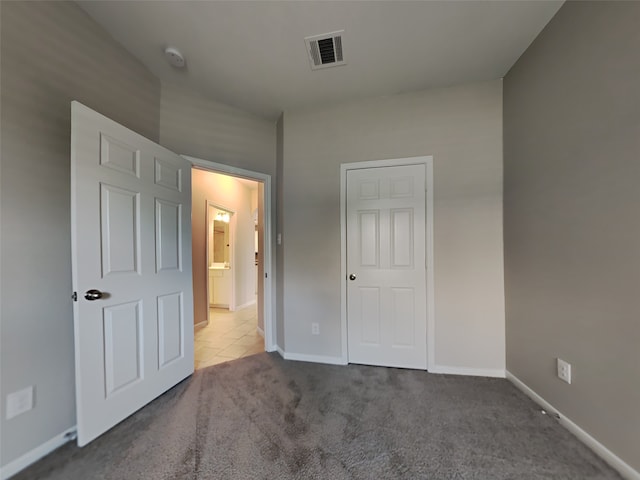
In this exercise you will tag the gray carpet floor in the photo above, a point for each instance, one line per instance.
(262, 417)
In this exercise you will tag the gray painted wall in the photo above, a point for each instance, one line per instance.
(462, 128)
(194, 125)
(52, 53)
(571, 222)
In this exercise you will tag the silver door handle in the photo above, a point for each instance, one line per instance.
(93, 295)
(352, 277)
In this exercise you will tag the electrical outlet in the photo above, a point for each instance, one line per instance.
(315, 328)
(19, 402)
(564, 371)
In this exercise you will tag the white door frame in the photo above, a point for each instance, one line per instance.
(268, 247)
(427, 161)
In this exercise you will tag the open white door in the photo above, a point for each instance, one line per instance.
(386, 266)
(131, 254)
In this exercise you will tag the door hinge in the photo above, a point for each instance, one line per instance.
(74, 296)
(266, 275)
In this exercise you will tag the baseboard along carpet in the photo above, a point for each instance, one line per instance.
(262, 417)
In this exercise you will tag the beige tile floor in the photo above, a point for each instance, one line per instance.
(229, 335)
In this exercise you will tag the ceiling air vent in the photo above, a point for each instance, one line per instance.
(326, 50)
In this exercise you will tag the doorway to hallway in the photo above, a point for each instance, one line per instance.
(232, 281)
(228, 336)
(227, 320)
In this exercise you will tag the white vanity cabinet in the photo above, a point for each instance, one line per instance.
(219, 287)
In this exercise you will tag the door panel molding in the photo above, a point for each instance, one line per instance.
(399, 188)
(131, 245)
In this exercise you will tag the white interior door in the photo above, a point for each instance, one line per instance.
(386, 266)
(131, 253)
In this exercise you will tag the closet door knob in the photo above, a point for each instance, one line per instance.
(352, 277)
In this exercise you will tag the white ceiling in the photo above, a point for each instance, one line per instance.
(252, 55)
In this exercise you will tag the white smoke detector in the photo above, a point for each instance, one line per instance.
(174, 57)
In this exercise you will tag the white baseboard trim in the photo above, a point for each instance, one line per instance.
(303, 357)
(204, 323)
(280, 351)
(474, 372)
(245, 305)
(36, 454)
(603, 452)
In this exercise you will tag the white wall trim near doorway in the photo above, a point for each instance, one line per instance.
(474, 372)
(303, 357)
(32, 456)
(269, 251)
(427, 161)
(245, 305)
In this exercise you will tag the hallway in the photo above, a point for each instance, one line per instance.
(229, 335)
